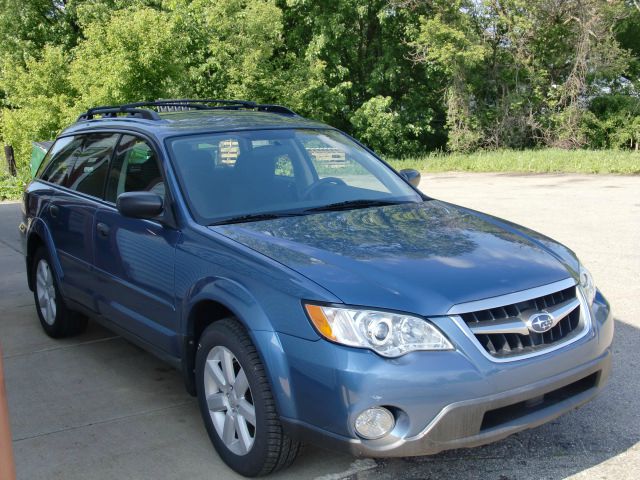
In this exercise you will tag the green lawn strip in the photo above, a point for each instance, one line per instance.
(527, 161)
(11, 188)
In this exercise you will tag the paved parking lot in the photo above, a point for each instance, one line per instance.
(97, 407)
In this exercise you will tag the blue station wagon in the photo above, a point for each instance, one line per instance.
(306, 290)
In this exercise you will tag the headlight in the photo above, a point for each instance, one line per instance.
(587, 284)
(389, 334)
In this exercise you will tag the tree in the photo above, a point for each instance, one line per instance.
(137, 54)
(520, 73)
(41, 100)
(233, 45)
(359, 50)
(405, 76)
(26, 26)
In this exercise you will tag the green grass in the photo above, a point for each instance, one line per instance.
(11, 188)
(527, 161)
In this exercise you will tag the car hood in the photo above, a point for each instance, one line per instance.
(419, 257)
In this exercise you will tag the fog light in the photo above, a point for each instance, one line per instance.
(374, 423)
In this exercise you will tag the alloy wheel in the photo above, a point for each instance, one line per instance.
(229, 400)
(46, 292)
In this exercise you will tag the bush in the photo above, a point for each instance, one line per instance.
(384, 129)
(41, 101)
(11, 188)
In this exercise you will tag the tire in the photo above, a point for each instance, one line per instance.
(56, 319)
(252, 445)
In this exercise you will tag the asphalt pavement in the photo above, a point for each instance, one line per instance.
(98, 407)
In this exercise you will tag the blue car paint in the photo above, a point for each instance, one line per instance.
(135, 272)
(333, 382)
(416, 258)
(388, 257)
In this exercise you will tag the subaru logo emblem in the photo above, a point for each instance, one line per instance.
(540, 322)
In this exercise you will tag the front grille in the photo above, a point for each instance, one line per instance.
(503, 345)
(500, 416)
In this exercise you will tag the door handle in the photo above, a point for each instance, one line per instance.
(103, 229)
(54, 210)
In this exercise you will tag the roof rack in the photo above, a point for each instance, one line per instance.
(108, 111)
(137, 109)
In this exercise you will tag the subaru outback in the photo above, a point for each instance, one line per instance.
(306, 290)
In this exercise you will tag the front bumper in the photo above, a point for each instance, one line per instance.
(475, 422)
(442, 400)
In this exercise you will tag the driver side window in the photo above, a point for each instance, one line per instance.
(135, 169)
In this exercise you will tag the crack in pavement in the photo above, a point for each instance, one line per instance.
(102, 422)
(61, 347)
(10, 247)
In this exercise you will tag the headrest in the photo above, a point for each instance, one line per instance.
(261, 159)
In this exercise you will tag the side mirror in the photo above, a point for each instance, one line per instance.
(412, 176)
(139, 204)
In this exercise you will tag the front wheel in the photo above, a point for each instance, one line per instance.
(236, 403)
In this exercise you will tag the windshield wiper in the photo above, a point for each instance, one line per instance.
(353, 204)
(346, 205)
(254, 217)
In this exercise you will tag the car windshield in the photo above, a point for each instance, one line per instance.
(254, 175)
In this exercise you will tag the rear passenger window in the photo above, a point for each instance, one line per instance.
(92, 163)
(58, 163)
(135, 169)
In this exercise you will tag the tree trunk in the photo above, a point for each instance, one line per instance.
(11, 161)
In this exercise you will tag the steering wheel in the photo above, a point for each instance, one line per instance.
(335, 181)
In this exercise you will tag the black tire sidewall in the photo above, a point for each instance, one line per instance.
(252, 463)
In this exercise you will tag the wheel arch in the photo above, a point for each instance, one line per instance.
(39, 236)
(213, 300)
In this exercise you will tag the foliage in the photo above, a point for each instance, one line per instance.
(384, 129)
(521, 73)
(137, 55)
(11, 188)
(41, 99)
(613, 121)
(405, 76)
(27, 26)
(232, 45)
(362, 61)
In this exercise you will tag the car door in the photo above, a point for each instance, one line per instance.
(79, 168)
(134, 258)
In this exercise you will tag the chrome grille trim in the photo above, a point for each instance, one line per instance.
(504, 326)
(510, 298)
(520, 324)
(583, 328)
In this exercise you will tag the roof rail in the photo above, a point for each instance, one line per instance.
(275, 109)
(175, 105)
(178, 104)
(113, 111)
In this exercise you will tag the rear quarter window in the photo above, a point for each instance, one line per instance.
(58, 163)
(92, 163)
